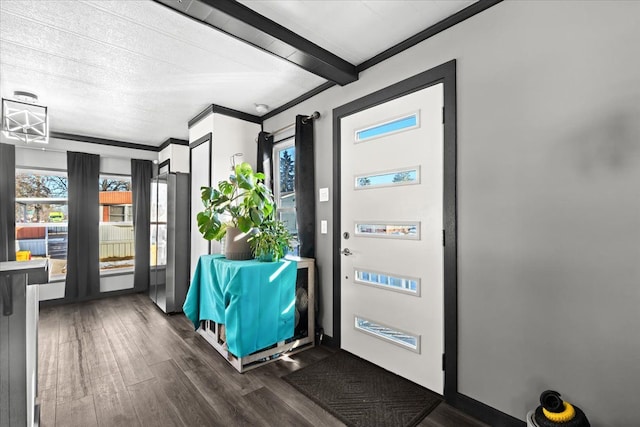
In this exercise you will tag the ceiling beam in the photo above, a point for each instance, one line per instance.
(245, 24)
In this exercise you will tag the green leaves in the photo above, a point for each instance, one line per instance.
(256, 215)
(209, 225)
(243, 197)
(206, 194)
(245, 176)
(245, 224)
(273, 238)
(256, 199)
(226, 188)
(245, 170)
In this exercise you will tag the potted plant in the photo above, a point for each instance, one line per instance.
(272, 240)
(234, 209)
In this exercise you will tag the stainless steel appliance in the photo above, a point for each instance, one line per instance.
(169, 245)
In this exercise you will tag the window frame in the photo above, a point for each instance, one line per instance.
(283, 144)
(44, 200)
(358, 139)
(124, 177)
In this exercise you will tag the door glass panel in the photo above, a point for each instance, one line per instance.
(162, 207)
(388, 127)
(394, 230)
(387, 281)
(387, 179)
(403, 339)
(158, 255)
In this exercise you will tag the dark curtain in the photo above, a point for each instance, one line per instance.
(7, 202)
(264, 162)
(305, 186)
(141, 174)
(83, 259)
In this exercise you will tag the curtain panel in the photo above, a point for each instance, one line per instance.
(264, 162)
(83, 250)
(305, 186)
(141, 174)
(7, 202)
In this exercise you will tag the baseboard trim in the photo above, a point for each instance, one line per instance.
(482, 412)
(329, 341)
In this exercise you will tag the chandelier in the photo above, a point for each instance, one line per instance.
(24, 120)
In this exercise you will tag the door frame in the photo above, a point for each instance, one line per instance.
(446, 74)
(205, 139)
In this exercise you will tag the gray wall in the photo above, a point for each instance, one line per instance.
(548, 200)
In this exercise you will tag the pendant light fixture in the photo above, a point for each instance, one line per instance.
(24, 120)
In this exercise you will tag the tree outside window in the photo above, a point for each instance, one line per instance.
(287, 170)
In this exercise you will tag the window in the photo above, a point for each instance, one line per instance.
(284, 186)
(120, 213)
(117, 240)
(386, 333)
(387, 281)
(393, 230)
(388, 179)
(41, 217)
(389, 127)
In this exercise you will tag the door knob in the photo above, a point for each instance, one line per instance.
(346, 252)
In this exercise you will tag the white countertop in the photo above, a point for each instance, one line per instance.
(38, 269)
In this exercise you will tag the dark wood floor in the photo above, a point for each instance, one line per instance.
(122, 362)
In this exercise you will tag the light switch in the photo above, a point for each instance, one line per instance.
(323, 226)
(323, 194)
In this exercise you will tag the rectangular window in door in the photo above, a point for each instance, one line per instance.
(386, 333)
(388, 230)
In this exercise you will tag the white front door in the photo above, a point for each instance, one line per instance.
(391, 239)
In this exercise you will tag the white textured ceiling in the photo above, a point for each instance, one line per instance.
(357, 30)
(133, 70)
(137, 71)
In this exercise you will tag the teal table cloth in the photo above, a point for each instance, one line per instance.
(254, 300)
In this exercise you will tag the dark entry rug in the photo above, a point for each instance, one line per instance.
(361, 394)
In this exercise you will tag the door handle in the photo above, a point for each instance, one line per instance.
(7, 295)
(346, 252)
